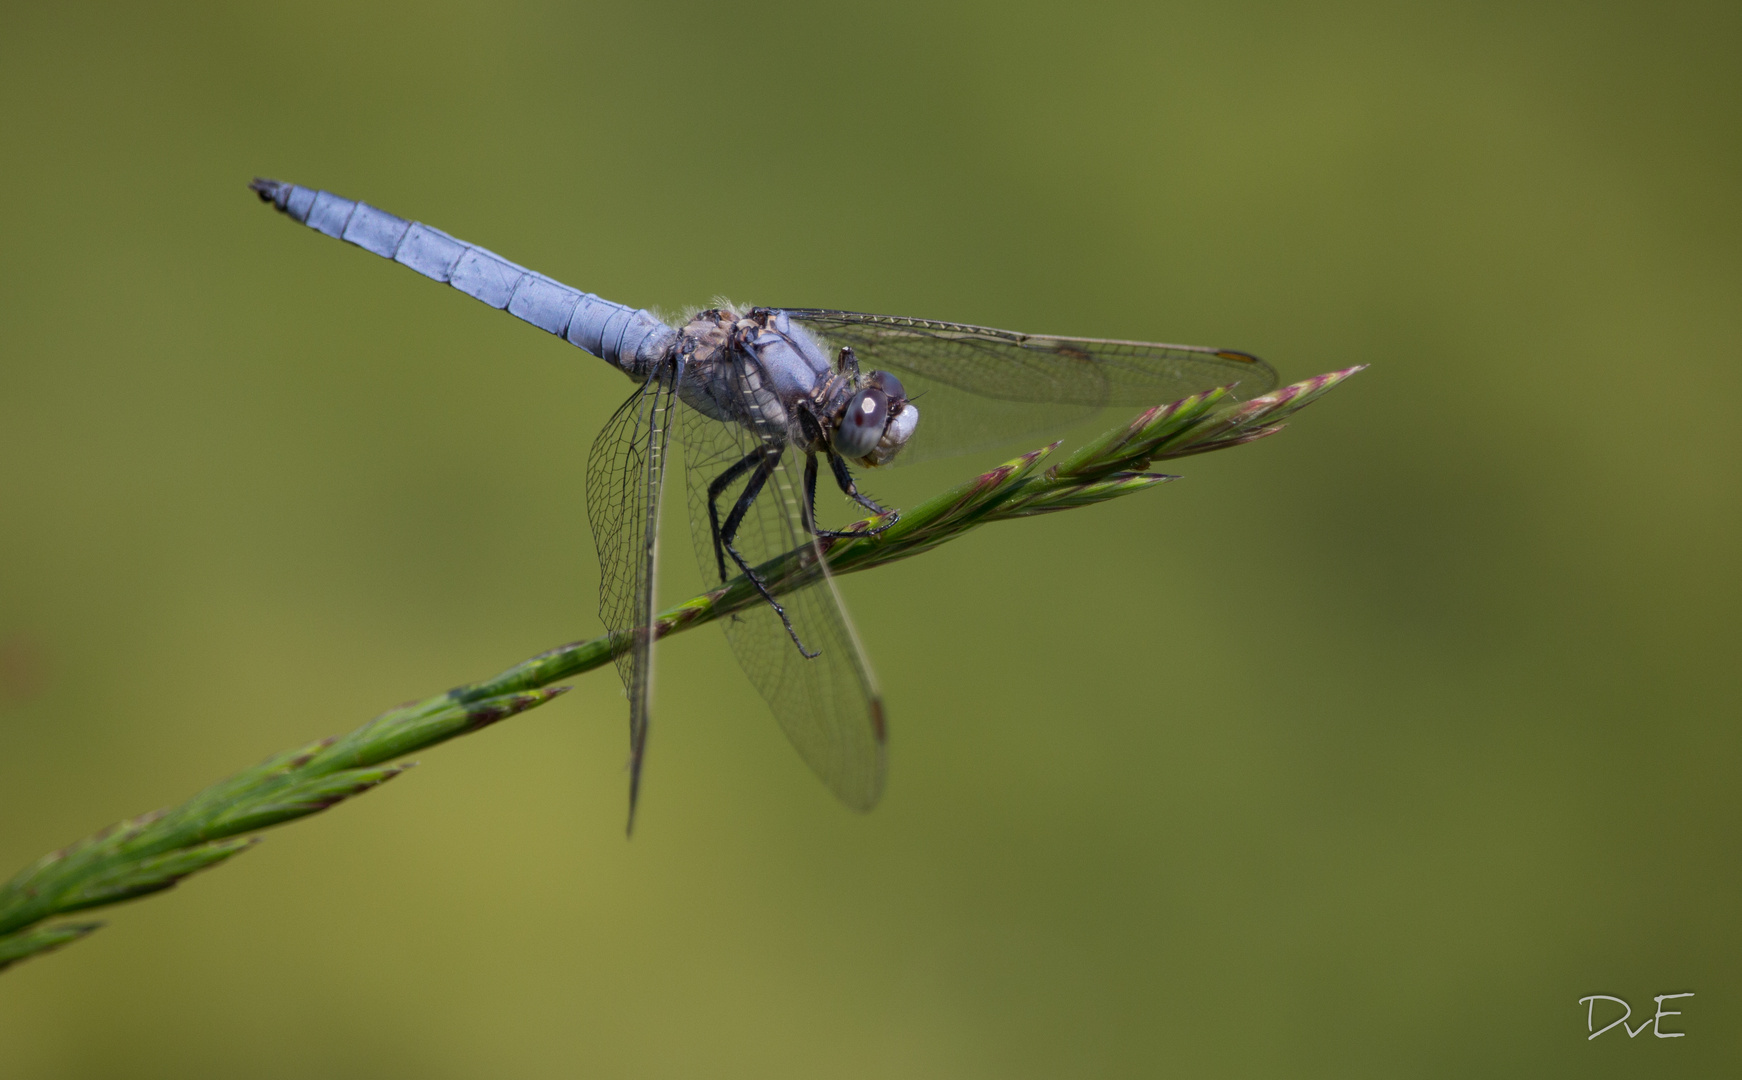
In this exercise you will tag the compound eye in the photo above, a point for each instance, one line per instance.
(862, 426)
(889, 384)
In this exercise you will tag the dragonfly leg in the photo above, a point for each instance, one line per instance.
(844, 480)
(810, 502)
(714, 491)
(724, 535)
(810, 492)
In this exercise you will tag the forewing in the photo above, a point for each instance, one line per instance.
(625, 472)
(828, 705)
(975, 385)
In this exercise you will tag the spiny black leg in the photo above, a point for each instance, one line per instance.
(845, 480)
(714, 490)
(813, 432)
(848, 488)
(767, 458)
(752, 488)
(810, 492)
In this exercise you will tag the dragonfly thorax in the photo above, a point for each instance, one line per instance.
(768, 374)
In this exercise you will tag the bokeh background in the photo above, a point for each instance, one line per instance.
(1366, 751)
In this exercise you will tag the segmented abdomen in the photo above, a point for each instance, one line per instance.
(630, 339)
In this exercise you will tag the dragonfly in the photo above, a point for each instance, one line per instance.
(762, 400)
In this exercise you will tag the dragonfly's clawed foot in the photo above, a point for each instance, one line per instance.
(875, 526)
(808, 654)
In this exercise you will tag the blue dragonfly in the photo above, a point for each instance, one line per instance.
(761, 400)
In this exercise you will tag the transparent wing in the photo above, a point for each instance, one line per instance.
(625, 472)
(976, 386)
(828, 705)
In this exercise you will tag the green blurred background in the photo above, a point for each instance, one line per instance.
(1366, 751)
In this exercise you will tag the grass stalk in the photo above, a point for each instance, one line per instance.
(154, 852)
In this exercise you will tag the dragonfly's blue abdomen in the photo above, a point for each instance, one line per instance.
(632, 340)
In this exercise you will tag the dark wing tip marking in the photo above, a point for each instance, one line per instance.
(1081, 356)
(1236, 354)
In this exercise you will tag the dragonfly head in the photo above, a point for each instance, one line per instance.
(877, 421)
